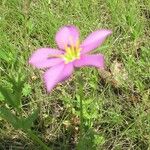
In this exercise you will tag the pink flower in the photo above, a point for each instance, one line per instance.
(61, 63)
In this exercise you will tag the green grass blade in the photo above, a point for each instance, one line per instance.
(27, 123)
(10, 117)
(8, 97)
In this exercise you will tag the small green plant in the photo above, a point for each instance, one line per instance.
(13, 101)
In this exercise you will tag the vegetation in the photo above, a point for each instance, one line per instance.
(116, 106)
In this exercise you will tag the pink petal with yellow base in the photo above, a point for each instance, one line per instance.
(90, 60)
(94, 40)
(46, 57)
(67, 36)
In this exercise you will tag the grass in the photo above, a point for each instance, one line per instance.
(116, 102)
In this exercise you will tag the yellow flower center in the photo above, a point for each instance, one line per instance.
(72, 52)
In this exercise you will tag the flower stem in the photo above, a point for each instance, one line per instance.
(81, 106)
(81, 118)
(36, 139)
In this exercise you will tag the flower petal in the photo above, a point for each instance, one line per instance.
(45, 57)
(57, 74)
(94, 40)
(67, 35)
(90, 60)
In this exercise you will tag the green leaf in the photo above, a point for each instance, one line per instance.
(27, 122)
(18, 91)
(3, 55)
(1, 97)
(99, 139)
(9, 98)
(27, 89)
(10, 117)
(18, 85)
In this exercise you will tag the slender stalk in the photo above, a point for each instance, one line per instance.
(81, 106)
(36, 139)
(81, 118)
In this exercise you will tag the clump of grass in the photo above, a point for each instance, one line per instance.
(116, 112)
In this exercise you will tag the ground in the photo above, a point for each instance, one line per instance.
(116, 106)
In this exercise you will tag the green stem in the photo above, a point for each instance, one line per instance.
(36, 139)
(81, 106)
(81, 118)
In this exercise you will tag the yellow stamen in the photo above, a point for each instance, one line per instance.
(72, 51)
